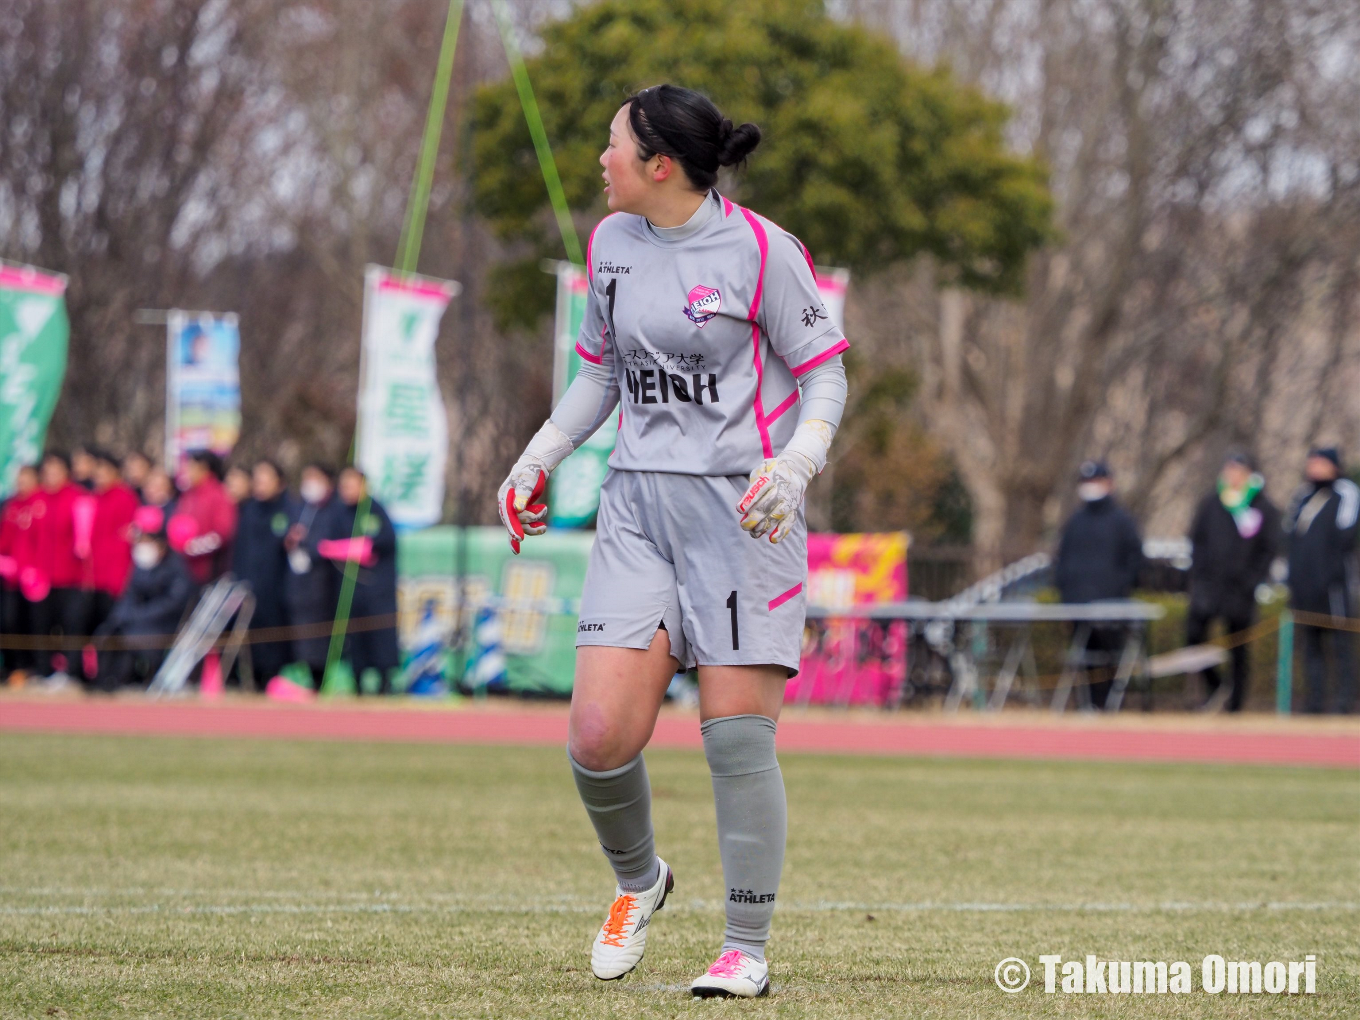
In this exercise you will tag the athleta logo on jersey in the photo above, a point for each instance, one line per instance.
(704, 303)
(748, 896)
(610, 268)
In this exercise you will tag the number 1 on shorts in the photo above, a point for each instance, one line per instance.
(732, 605)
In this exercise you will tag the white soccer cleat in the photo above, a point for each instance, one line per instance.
(734, 975)
(623, 936)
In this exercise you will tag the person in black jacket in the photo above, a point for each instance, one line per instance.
(1099, 556)
(312, 586)
(259, 557)
(1233, 538)
(149, 611)
(373, 546)
(1321, 531)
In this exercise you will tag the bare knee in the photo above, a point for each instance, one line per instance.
(598, 743)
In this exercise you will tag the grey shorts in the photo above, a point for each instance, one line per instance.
(669, 552)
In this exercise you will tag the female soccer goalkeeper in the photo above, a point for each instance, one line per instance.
(705, 322)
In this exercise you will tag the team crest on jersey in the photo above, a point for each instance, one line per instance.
(704, 303)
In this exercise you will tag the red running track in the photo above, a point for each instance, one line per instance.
(548, 726)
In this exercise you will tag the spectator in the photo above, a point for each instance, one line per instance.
(136, 468)
(312, 586)
(110, 560)
(53, 586)
(159, 490)
(204, 523)
(1233, 538)
(260, 558)
(152, 606)
(17, 557)
(372, 546)
(1321, 530)
(82, 467)
(238, 484)
(1099, 556)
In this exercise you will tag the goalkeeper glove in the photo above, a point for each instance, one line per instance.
(520, 497)
(770, 506)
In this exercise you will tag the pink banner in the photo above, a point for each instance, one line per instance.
(853, 662)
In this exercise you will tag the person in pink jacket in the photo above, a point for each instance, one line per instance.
(205, 519)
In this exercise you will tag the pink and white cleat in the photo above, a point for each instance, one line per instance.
(734, 975)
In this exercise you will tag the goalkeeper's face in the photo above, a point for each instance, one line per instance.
(630, 183)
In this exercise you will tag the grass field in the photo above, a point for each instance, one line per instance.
(226, 878)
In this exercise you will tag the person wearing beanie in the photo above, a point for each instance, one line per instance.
(1234, 536)
(1320, 528)
(1099, 556)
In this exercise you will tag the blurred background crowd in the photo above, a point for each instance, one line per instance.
(95, 548)
(1121, 229)
(103, 558)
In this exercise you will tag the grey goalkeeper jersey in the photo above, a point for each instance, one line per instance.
(705, 337)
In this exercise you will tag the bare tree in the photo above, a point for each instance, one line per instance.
(1206, 171)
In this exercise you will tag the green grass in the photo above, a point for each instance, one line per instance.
(223, 878)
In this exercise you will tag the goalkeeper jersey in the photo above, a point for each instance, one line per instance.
(706, 337)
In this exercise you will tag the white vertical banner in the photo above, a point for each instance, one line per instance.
(403, 432)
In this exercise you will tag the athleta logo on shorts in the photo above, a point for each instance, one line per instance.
(748, 896)
(704, 303)
(583, 627)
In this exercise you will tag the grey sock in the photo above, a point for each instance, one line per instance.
(748, 791)
(619, 803)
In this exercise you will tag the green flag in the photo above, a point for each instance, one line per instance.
(33, 334)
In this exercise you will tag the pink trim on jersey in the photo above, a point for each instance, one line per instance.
(758, 406)
(808, 255)
(594, 359)
(764, 243)
(727, 206)
(826, 355)
(789, 401)
(779, 600)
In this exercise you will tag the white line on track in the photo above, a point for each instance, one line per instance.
(692, 906)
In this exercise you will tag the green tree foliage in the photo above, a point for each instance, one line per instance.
(867, 158)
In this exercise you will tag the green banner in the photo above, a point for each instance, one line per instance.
(574, 494)
(33, 335)
(536, 595)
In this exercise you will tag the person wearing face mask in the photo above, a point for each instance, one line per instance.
(310, 587)
(149, 612)
(1099, 556)
(1233, 538)
(1320, 528)
(259, 558)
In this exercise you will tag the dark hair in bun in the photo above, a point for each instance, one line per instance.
(686, 126)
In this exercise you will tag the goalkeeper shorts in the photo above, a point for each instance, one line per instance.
(670, 552)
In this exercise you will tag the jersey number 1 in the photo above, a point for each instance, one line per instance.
(732, 605)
